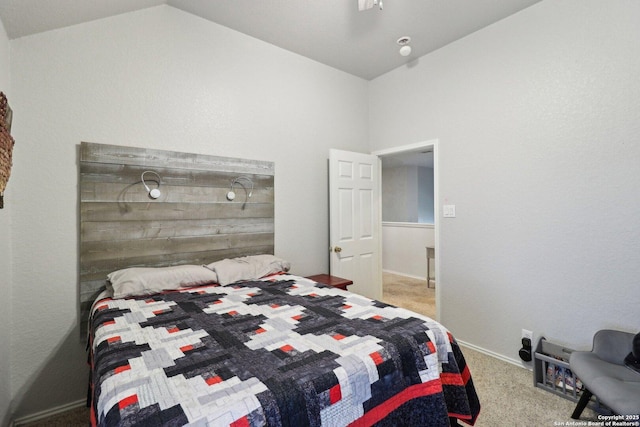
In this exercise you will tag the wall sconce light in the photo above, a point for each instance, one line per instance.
(231, 195)
(155, 193)
(405, 49)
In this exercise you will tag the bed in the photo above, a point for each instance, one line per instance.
(180, 335)
(279, 351)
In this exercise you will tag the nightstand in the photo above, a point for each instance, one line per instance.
(334, 281)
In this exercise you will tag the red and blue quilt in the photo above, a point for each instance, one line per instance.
(280, 351)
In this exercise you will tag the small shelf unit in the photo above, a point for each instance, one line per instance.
(551, 373)
(551, 370)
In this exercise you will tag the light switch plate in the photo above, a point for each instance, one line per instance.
(449, 211)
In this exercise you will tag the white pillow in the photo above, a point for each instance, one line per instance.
(145, 280)
(248, 268)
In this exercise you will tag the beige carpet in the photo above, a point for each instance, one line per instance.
(506, 391)
(73, 418)
(409, 293)
(508, 397)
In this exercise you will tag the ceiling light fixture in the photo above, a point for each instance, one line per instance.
(405, 49)
(368, 4)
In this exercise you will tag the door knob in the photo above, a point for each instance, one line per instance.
(337, 249)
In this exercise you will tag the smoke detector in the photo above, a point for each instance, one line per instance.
(403, 42)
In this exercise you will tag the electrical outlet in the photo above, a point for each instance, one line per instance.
(527, 334)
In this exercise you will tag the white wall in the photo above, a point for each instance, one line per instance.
(538, 118)
(404, 248)
(400, 194)
(407, 194)
(425, 195)
(165, 79)
(5, 253)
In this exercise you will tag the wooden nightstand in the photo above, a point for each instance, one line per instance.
(327, 279)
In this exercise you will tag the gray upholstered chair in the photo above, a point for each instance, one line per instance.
(604, 374)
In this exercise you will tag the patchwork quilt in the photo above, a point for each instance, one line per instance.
(280, 351)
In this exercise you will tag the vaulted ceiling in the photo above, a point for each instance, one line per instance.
(333, 32)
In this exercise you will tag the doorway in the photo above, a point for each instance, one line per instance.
(409, 226)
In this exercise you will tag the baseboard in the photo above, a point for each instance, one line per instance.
(47, 413)
(397, 273)
(490, 353)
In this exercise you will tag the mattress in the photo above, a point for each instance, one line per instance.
(279, 351)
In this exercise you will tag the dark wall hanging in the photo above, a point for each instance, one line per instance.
(6, 145)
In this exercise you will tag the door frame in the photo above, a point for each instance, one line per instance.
(418, 146)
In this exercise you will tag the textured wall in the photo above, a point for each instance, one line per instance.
(538, 118)
(407, 194)
(399, 194)
(164, 79)
(5, 254)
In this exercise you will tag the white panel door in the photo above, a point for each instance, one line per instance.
(354, 223)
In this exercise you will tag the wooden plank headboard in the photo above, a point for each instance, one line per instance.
(192, 222)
